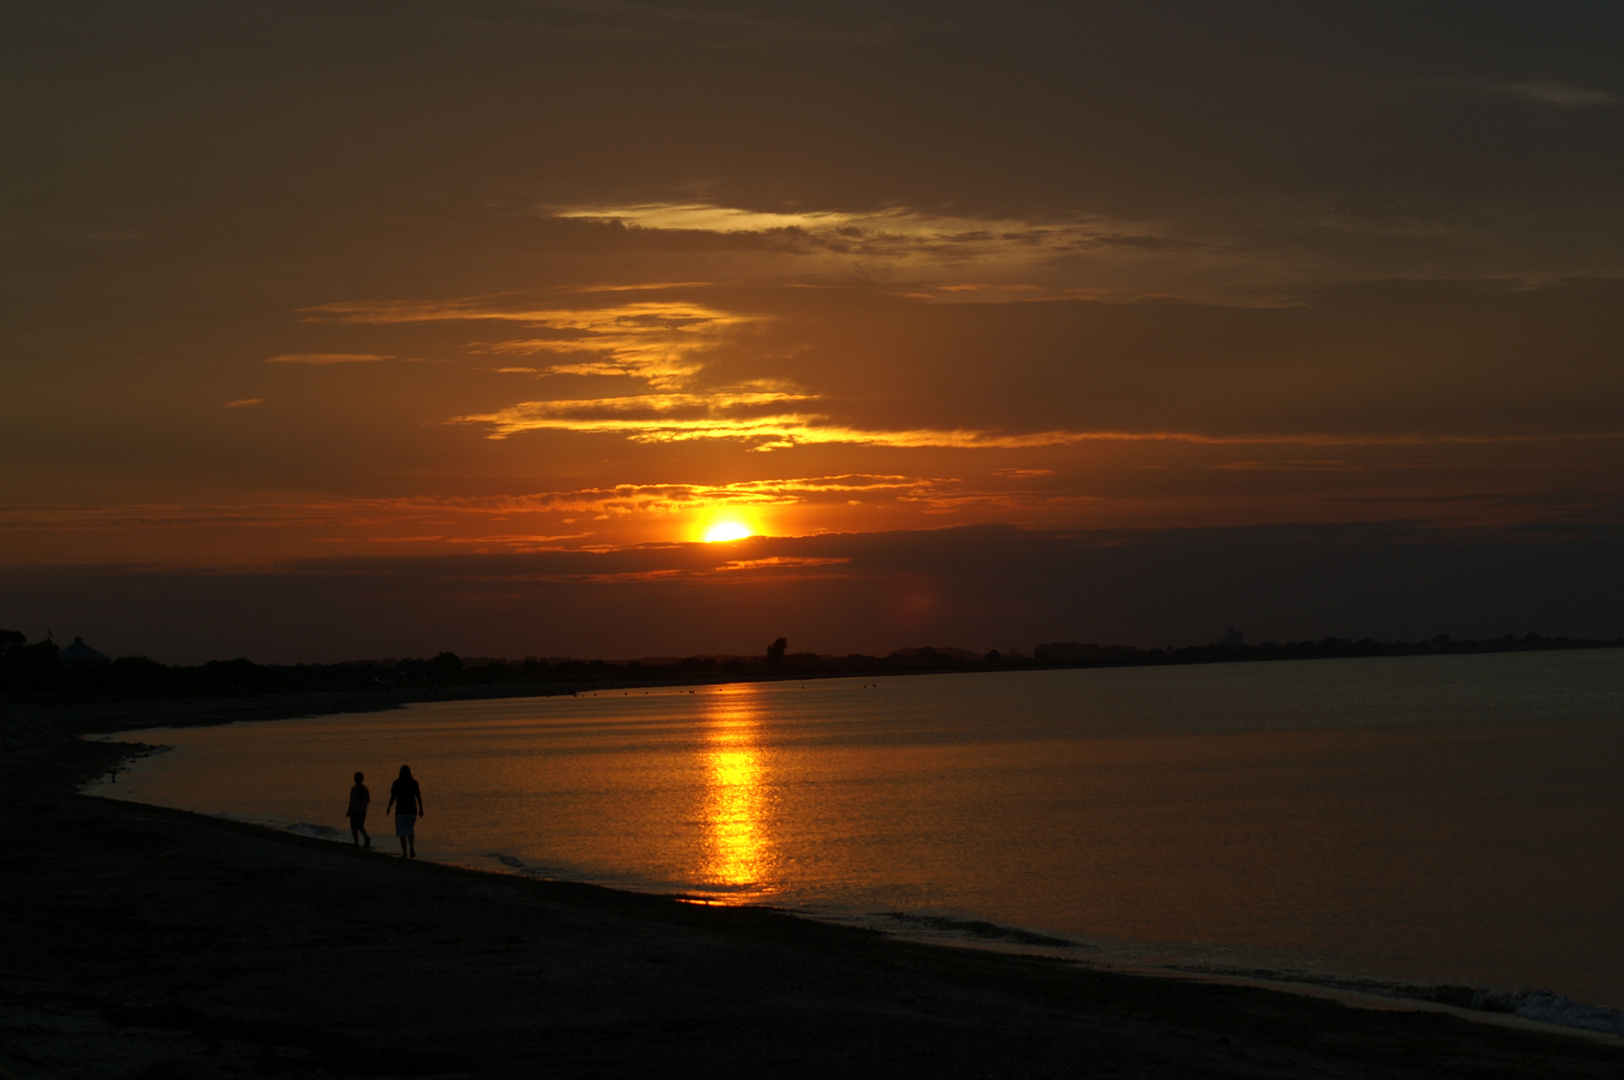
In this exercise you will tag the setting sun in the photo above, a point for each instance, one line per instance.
(723, 531)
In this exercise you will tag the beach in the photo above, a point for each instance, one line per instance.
(147, 942)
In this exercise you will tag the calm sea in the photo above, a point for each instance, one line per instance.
(1449, 819)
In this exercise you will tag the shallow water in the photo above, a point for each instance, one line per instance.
(1454, 819)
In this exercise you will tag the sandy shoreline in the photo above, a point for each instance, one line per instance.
(147, 942)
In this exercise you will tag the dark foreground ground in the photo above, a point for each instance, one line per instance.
(141, 942)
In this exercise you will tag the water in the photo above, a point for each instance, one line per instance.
(1449, 819)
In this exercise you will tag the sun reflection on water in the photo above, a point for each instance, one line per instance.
(738, 851)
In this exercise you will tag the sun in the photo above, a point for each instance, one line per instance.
(724, 531)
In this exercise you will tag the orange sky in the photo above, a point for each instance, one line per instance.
(300, 281)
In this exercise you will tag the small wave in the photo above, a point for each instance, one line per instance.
(1543, 1006)
(1551, 1008)
(534, 870)
(986, 931)
(304, 828)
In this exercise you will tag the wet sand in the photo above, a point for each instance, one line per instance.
(145, 942)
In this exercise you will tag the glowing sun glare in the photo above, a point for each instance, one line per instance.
(726, 530)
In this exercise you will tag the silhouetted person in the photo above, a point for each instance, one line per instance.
(360, 797)
(406, 798)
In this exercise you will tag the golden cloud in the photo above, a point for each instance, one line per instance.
(654, 340)
(745, 416)
(901, 236)
(624, 499)
(780, 567)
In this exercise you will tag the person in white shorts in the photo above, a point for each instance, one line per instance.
(406, 799)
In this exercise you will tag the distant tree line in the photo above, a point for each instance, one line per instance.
(36, 670)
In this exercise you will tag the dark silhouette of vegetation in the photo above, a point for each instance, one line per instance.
(22, 662)
(33, 671)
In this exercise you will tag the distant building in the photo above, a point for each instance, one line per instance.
(1233, 638)
(80, 655)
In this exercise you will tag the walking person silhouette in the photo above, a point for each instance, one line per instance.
(360, 797)
(406, 798)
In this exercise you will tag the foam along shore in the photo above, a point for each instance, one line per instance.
(148, 942)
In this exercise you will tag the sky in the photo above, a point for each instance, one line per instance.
(345, 328)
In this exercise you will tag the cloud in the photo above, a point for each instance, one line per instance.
(639, 286)
(848, 367)
(757, 418)
(642, 315)
(362, 514)
(624, 499)
(326, 359)
(653, 340)
(911, 239)
(1557, 94)
(779, 568)
(245, 402)
(742, 416)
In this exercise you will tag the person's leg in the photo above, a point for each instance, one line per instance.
(366, 837)
(403, 847)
